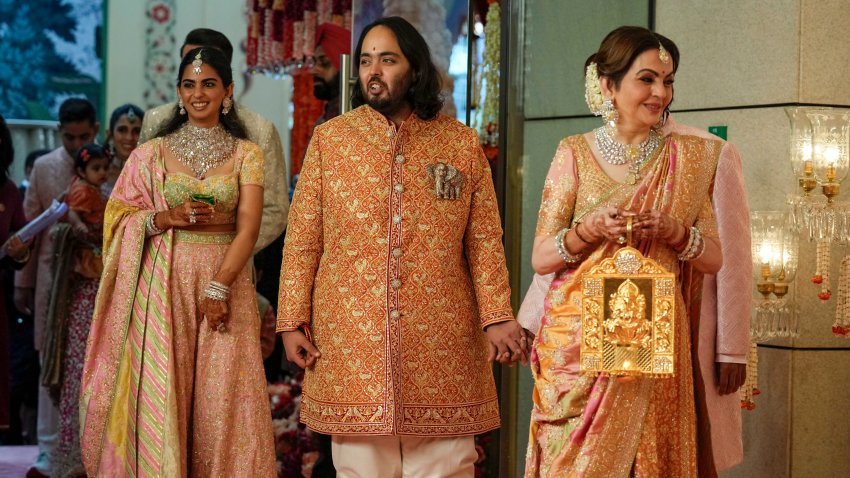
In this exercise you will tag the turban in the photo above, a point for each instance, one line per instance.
(335, 40)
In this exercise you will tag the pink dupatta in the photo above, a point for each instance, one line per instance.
(127, 405)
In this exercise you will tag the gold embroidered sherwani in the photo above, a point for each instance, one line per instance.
(395, 282)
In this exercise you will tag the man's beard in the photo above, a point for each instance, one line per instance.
(324, 90)
(394, 100)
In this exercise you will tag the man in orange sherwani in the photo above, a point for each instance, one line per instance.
(394, 263)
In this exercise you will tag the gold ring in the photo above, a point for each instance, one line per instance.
(621, 240)
(629, 227)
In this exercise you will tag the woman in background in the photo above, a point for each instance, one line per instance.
(77, 268)
(125, 125)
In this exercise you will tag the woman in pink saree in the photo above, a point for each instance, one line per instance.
(661, 176)
(173, 382)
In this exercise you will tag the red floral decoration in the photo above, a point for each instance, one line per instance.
(160, 13)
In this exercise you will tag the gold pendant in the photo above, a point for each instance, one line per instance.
(628, 317)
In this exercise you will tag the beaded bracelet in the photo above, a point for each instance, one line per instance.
(562, 249)
(695, 246)
(578, 234)
(150, 225)
(701, 249)
(217, 291)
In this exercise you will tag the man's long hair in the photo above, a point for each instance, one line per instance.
(424, 93)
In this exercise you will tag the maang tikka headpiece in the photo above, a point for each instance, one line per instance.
(663, 55)
(196, 63)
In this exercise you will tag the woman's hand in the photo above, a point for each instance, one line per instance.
(190, 213)
(605, 223)
(658, 225)
(215, 311)
(17, 249)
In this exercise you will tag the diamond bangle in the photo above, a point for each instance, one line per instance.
(150, 225)
(562, 249)
(217, 291)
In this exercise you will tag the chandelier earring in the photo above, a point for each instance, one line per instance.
(182, 109)
(226, 105)
(609, 113)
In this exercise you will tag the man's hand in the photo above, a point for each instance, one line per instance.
(23, 299)
(508, 343)
(730, 377)
(299, 350)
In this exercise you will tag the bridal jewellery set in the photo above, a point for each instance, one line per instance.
(201, 149)
(613, 151)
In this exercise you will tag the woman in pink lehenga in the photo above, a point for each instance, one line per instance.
(173, 383)
(662, 175)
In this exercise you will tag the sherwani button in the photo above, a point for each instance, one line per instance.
(397, 252)
(395, 284)
(397, 219)
(394, 314)
(399, 188)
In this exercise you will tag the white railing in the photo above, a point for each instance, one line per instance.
(30, 135)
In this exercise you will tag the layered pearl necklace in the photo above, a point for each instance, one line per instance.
(617, 153)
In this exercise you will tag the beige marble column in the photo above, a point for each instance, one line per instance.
(742, 62)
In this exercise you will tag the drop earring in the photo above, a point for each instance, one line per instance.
(609, 113)
(226, 105)
(182, 109)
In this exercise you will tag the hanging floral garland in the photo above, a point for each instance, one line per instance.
(489, 122)
(841, 326)
(750, 388)
(821, 277)
(282, 33)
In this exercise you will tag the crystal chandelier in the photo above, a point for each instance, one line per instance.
(820, 156)
(775, 247)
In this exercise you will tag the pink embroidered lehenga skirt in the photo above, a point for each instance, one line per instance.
(223, 409)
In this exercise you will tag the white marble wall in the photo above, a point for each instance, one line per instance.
(745, 60)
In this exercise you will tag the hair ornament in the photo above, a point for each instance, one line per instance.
(593, 90)
(85, 155)
(131, 115)
(196, 63)
(663, 54)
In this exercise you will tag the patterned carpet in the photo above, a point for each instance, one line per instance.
(16, 460)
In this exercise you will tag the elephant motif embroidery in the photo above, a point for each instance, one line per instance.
(448, 181)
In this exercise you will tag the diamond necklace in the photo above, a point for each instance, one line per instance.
(201, 149)
(616, 153)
